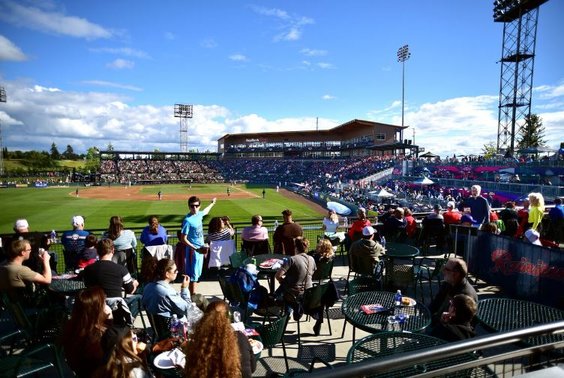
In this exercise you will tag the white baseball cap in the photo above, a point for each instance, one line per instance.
(21, 223)
(77, 220)
(368, 230)
(533, 236)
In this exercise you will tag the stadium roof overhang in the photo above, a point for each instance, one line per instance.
(343, 129)
(393, 146)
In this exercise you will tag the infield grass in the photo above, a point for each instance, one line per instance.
(52, 208)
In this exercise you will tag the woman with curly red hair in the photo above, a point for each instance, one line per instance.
(216, 349)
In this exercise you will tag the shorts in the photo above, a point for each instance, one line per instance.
(194, 264)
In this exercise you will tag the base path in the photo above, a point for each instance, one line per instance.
(133, 193)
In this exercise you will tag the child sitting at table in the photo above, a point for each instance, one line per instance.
(89, 255)
(456, 323)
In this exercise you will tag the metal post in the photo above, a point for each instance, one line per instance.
(403, 55)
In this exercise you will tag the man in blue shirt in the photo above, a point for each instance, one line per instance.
(74, 242)
(192, 236)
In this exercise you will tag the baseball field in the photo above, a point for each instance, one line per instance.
(52, 207)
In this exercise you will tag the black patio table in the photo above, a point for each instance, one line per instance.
(68, 286)
(419, 315)
(269, 273)
(507, 314)
(384, 344)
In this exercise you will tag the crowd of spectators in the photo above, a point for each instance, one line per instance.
(126, 171)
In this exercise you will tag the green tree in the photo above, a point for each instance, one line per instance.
(38, 160)
(489, 150)
(110, 147)
(55, 155)
(92, 159)
(532, 133)
(69, 153)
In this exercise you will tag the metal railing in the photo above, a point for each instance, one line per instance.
(311, 228)
(515, 358)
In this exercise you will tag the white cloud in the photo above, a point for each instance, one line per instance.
(125, 51)
(86, 119)
(328, 97)
(39, 89)
(51, 21)
(9, 51)
(274, 12)
(291, 26)
(238, 58)
(208, 43)
(109, 84)
(119, 64)
(547, 92)
(326, 66)
(313, 52)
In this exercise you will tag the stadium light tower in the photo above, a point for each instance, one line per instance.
(519, 19)
(183, 112)
(403, 55)
(2, 99)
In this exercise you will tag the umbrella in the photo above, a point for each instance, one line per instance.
(428, 155)
(424, 181)
(339, 208)
(385, 194)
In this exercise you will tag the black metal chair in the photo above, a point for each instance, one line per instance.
(39, 329)
(233, 294)
(252, 248)
(160, 326)
(237, 258)
(272, 334)
(312, 301)
(324, 270)
(432, 233)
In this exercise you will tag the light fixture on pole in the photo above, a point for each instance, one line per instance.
(183, 112)
(2, 99)
(403, 55)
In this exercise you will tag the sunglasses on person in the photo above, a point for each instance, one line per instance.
(194, 205)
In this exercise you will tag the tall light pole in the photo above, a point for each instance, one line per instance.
(183, 112)
(403, 55)
(2, 99)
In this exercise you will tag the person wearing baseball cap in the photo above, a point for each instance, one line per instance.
(37, 240)
(366, 252)
(74, 242)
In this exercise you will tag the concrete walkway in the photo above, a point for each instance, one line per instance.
(330, 347)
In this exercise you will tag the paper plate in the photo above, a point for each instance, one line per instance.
(170, 359)
(256, 345)
(412, 302)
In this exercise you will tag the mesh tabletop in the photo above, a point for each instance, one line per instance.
(384, 344)
(67, 287)
(505, 314)
(262, 258)
(419, 315)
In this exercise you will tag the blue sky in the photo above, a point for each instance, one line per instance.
(98, 72)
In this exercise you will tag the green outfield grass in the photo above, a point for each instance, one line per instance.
(52, 208)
